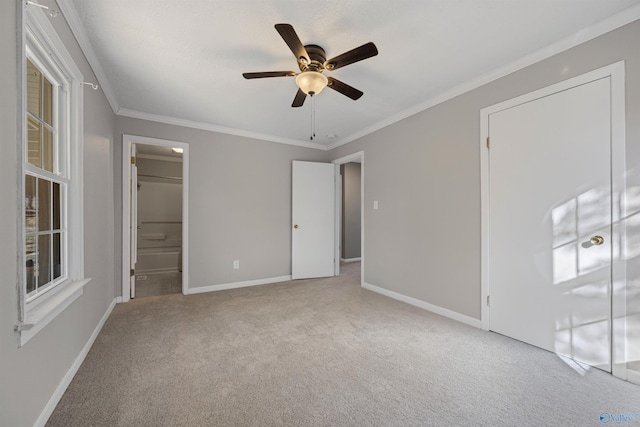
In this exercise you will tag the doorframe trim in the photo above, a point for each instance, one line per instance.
(127, 141)
(616, 72)
(359, 155)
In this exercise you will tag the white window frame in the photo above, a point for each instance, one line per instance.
(42, 45)
(60, 172)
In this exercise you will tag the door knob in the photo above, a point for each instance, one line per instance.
(597, 240)
(295, 226)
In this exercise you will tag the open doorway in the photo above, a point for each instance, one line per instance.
(155, 214)
(349, 251)
(351, 223)
(158, 269)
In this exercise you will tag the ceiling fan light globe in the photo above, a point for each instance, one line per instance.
(311, 82)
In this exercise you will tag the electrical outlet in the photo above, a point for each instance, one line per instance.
(236, 264)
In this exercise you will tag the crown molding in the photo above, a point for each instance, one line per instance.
(77, 28)
(215, 128)
(602, 27)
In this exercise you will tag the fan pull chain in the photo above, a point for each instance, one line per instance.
(313, 119)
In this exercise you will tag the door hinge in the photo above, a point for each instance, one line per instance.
(488, 142)
(133, 160)
(488, 300)
(132, 272)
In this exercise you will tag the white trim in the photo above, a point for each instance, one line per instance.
(216, 128)
(485, 313)
(616, 72)
(619, 223)
(38, 317)
(236, 285)
(77, 28)
(41, 43)
(348, 260)
(46, 36)
(127, 141)
(337, 240)
(613, 22)
(425, 305)
(22, 132)
(66, 380)
(353, 157)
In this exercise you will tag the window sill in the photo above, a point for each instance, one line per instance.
(38, 317)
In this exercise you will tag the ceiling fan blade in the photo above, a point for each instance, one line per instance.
(299, 99)
(358, 54)
(344, 88)
(268, 74)
(292, 40)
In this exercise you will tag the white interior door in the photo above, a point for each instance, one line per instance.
(133, 223)
(313, 215)
(549, 196)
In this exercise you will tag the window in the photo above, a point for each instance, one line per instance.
(45, 185)
(51, 254)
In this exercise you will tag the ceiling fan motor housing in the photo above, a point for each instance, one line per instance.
(318, 58)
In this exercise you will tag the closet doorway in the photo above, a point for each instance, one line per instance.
(350, 211)
(154, 212)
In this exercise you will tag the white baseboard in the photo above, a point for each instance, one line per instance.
(119, 300)
(66, 380)
(350, 259)
(633, 376)
(235, 285)
(476, 323)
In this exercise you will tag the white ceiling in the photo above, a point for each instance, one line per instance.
(182, 61)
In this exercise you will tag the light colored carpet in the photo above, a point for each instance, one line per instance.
(319, 353)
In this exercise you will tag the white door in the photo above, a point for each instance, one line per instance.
(549, 267)
(133, 221)
(313, 215)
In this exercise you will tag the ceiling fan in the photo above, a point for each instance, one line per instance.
(312, 61)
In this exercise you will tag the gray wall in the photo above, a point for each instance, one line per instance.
(424, 241)
(29, 375)
(351, 210)
(240, 201)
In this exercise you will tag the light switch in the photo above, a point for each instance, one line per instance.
(375, 205)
